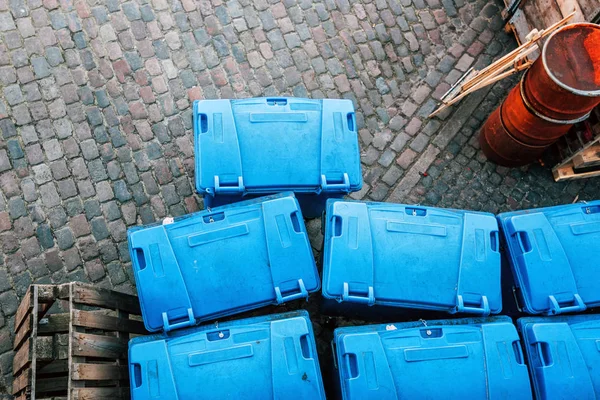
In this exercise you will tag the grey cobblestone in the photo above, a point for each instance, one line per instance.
(96, 114)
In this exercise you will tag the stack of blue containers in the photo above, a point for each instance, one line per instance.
(404, 262)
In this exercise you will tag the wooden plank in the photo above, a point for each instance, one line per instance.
(85, 294)
(54, 323)
(589, 157)
(53, 367)
(568, 6)
(24, 308)
(55, 384)
(590, 9)
(99, 372)
(94, 320)
(88, 345)
(21, 382)
(23, 331)
(100, 393)
(22, 357)
(567, 173)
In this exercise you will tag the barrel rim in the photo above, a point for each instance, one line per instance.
(586, 93)
(512, 136)
(538, 114)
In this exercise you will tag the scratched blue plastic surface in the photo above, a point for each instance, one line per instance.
(554, 255)
(269, 357)
(221, 262)
(563, 354)
(412, 257)
(267, 145)
(473, 358)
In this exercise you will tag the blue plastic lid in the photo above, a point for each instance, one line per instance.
(269, 357)
(411, 256)
(554, 255)
(222, 261)
(265, 145)
(563, 355)
(473, 358)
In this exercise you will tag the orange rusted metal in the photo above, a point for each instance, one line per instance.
(500, 147)
(564, 82)
(526, 124)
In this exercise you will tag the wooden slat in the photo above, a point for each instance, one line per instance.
(566, 7)
(94, 320)
(55, 384)
(54, 323)
(24, 308)
(23, 332)
(590, 9)
(85, 294)
(100, 393)
(99, 372)
(567, 173)
(589, 157)
(21, 382)
(85, 344)
(22, 357)
(53, 367)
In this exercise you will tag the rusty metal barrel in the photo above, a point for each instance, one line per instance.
(502, 148)
(564, 82)
(560, 89)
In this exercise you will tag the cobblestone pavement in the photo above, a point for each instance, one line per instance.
(95, 116)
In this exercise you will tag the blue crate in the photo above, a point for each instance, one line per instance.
(268, 357)
(260, 146)
(411, 256)
(554, 255)
(471, 358)
(221, 262)
(563, 354)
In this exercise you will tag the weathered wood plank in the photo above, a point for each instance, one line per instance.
(566, 7)
(55, 384)
(21, 382)
(100, 393)
(567, 172)
(94, 320)
(54, 323)
(23, 331)
(99, 372)
(22, 357)
(53, 367)
(85, 294)
(24, 308)
(88, 345)
(590, 9)
(589, 157)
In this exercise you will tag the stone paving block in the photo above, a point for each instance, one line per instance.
(96, 106)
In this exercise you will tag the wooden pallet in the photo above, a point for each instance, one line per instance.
(579, 150)
(71, 342)
(539, 14)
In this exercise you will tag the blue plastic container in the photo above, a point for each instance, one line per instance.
(261, 146)
(221, 262)
(269, 357)
(411, 256)
(554, 254)
(563, 354)
(472, 358)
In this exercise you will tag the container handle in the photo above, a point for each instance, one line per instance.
(544, 353)
(351, 363)
(136, 373)
(524, 242)
(556, 309)
(303, 294)
(369, 299)
(190, 321)
(494, 241)
(483, 309)
(139, 259)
